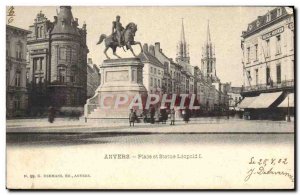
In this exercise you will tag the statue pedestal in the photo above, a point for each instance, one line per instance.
(119, 77)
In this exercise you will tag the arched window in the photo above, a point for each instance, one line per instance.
(61, 73)
(41, 31)
(268, 17)
(62, 53)
(19, 48)
(37, 32)
(279, 12)
(73, 74)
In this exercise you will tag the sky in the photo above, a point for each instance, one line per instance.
(163, 24)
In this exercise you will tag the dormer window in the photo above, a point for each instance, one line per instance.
(257, 23)
(63, 22)
(250, 27)
(269, 17)
(279, 12)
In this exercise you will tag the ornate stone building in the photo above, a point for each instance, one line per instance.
(268, 63)
(57, 54)
(16, 92)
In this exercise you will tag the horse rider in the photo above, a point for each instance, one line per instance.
(118, 29)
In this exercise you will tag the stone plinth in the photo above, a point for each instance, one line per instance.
(119, 77)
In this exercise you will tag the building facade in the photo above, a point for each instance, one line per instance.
(57, 55)
(93, 78)
(235, 97)
(16, 91)
(163, 75)
(268, 59)
(168, 81)
(153, 71)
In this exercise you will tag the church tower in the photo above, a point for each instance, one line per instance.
(208, 61)
(182, 47)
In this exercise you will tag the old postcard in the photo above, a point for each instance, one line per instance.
(150, 97)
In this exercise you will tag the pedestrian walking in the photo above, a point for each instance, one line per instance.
(132, 117)
(163, 115)
(51, 114)
(157, 116)
(172, 116)
(186, 115)
(152, 114)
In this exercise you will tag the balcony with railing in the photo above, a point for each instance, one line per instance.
(288, 84)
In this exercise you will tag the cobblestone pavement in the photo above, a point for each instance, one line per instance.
(196, 125)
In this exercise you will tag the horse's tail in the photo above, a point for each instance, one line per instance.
(102, 37)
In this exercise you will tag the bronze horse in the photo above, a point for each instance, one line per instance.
(127, 40)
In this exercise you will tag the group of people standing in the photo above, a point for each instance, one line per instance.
(159, 115)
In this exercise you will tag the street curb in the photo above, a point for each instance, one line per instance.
(144, 132)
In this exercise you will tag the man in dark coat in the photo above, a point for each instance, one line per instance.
(152, 114)
(186, 116)
(51, 114)
(132, 117)
(172, 116)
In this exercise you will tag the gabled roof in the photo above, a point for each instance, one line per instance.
(9, 27)
(147, 57)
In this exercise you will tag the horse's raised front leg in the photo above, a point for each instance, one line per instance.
(105, 50)
(138, 43)
(130, 48)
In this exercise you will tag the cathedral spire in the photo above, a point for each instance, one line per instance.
(182, 36)
(182, 47)
(208, 57)
(208, 41)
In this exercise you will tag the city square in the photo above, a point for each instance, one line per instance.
(86, 97)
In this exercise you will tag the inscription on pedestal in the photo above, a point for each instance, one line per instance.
(117, 76)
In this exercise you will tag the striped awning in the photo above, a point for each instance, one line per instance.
(265, 100)
(288, 101)
(246, 102)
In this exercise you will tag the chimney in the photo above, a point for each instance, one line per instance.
(151, 50)
(90, 61)
(145, 47)
(157, 46)
(84, 26)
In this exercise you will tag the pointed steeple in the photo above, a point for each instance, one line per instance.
(182, 47)
(208, 57)
(182, 36)
(208, 40)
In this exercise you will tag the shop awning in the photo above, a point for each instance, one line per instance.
(246, 102)
(264, 100)
(288, 101)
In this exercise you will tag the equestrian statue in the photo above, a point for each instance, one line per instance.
(120, 37)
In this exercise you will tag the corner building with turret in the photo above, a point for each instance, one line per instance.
(57, 61)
